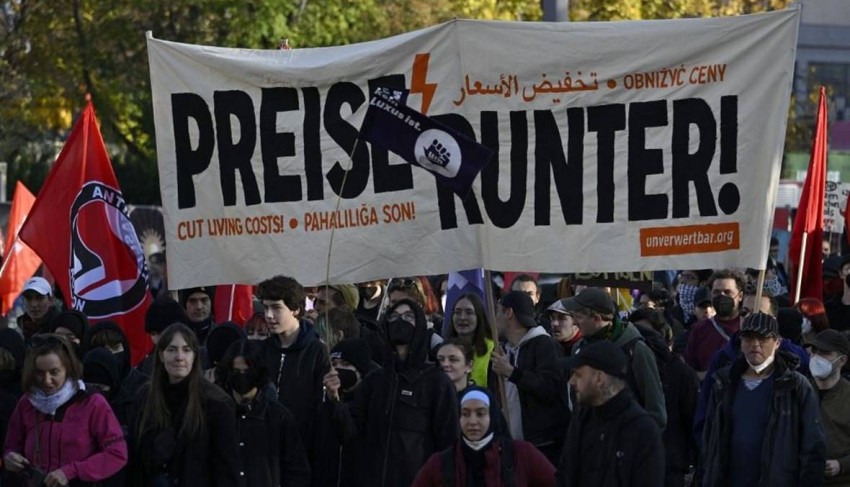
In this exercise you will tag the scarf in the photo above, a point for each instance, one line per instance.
(478, 445)
(49, 403)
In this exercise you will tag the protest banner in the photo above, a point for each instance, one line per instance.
(834, 206)
(633, 146)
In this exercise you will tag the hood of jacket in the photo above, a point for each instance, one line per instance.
(123, 367)
(306, 335)
(100, 363)
(221, 337)
(418, 350)
(12, 341)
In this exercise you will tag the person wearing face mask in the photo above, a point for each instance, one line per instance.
(342, 459)
(838, 308)
(830, 349)
(485, 455)
(405, 411)
(710, 335)
(762, 425)
(270, 448)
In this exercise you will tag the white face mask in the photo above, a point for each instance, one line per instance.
(820, 367)
(807, 325)
(764, 365)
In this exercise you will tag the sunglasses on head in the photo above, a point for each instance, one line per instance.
(47, 340)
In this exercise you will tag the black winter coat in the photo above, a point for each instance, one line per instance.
(404, 412)
(298, 372)
(539, 378)
(270, 446)
(794, 449)
(614, 445)
(342, 459)
(207, 461)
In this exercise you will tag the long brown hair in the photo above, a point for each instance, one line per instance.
(155, 413)
(482, 327)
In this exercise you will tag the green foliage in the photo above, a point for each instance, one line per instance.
(53, 53)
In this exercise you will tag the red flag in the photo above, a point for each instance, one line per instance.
(20, 262)
(233, 302)
(80, 227)
(809, 219)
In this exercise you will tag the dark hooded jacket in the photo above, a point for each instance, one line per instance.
(132, 380)
(100, 367)
(221, 337)
(793, 450)
(616, 444)
(297, 372)
(10, 390)
(405, 411)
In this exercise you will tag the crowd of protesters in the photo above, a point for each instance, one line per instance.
(690, 382)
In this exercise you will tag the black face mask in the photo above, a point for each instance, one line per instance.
(366, 292)
(242, 382)
(723, 305)
(119, 358)
(347, 378)
(400, 332)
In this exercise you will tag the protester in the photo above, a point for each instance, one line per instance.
(337, 296)
(762, 425)
(198, 304)
(710, 335)
(340, 458)
(535, 385)
(768, 304)
(470, 324)
(60, 432)
(405, 411)
(815, 317)
(184, 427)
(256, 327)
(830, 349)
(162, 313)
(595, 316)
(39, 310)
(158, 278)
(70, 324)
(218, 341)
(297, 361)
(564, 328)
(455, 357)
(12, 354)
(270, 449)
(527, 284)
(612, 441)
(100, 374)
(371, 294)
(485, 453)
(337, 324)
(838, 309)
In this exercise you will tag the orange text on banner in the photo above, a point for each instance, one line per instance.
(689, 239)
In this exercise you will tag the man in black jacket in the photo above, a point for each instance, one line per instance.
(762, 426)
(612, 441)
(297, 361)
(535, 386)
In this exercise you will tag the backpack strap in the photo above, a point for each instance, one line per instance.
(506, 462)
(447, 466)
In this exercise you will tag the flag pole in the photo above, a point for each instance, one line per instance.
(491, 316)
(759, 287)
(801, 267)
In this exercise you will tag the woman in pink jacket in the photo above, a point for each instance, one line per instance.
(485, 455)
(60, 434)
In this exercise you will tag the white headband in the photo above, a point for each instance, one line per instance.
(476, 394)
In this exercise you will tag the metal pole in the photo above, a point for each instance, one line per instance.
(555, 10)
(801, 266)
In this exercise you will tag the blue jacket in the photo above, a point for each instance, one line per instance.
(793, 450)
(727, 355)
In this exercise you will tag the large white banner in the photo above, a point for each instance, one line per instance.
(622, 146)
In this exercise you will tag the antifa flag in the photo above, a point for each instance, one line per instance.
(20, 262)
(454, 159)
(80, 227)
(808, 223)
